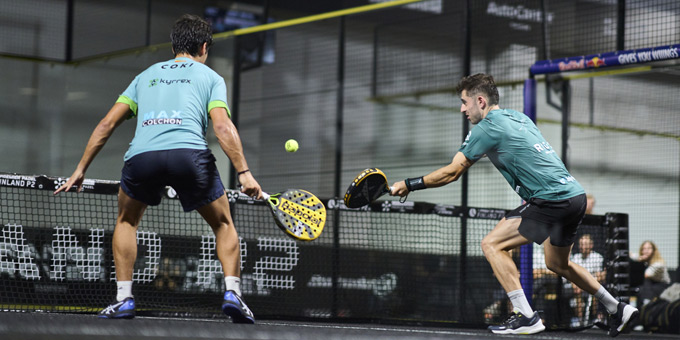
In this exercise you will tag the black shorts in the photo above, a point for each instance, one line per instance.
(192, 173)
(558, 220)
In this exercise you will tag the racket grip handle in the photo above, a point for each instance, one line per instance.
(265, 196)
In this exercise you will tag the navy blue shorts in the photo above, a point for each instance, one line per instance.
(558, 220)
(192, 173)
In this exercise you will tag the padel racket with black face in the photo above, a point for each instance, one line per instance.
(298, 212)
(367, 187)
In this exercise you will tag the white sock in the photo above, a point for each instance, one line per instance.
(607, 300)
(233, 283)
(124, 290)
(520, 303)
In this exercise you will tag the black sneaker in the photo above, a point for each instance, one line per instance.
(619, 322)
(236, 308)
(119, 310)
(517, 323)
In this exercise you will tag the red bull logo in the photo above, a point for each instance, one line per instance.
(571, 65)
(595, 62)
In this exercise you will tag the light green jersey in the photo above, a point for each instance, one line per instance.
(173, 99)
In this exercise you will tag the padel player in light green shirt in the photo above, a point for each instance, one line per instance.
(173, 101)
(554, 204)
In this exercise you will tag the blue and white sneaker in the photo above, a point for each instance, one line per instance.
(517, 323)
(120, 310)
(236, 308)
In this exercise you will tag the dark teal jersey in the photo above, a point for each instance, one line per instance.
(516, 147)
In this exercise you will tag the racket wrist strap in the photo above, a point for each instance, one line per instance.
(417, 183)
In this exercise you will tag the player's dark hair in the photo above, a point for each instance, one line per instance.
(477, 84)
(189, 33)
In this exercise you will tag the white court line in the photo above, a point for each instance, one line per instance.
(223, 320)
(297, 324)
(364, 328)
(312, 325)
(481, 333)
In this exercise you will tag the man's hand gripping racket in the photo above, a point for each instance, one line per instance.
(366, 188)
(298, 213)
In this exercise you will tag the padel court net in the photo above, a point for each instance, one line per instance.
(394, 261)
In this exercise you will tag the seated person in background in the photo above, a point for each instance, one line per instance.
(656, 275)
(594, 263)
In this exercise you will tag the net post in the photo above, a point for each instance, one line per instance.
(566, 113)
(621, 25)
(340, 96)
(235, 100)
(526, 252)
(530, 98)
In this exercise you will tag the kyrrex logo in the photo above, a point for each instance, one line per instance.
(156, 81)
(175, 81)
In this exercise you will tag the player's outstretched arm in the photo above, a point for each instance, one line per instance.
(449, 173)
(118, 113)
(439, 177)
(230, 141)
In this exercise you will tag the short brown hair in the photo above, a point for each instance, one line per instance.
(477, 84)
(189, 33)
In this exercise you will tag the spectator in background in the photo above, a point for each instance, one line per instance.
(588, 259)
(590, 204)
(656, 275)
(594, 263)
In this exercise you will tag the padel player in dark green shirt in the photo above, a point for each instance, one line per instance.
(554, 204)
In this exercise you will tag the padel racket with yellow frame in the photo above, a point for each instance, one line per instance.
(367, 187)
(298, 213)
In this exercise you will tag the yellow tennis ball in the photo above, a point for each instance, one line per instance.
(292, 145)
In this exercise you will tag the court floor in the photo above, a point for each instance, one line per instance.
(53, 326)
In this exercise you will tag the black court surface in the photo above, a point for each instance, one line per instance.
(52, 326)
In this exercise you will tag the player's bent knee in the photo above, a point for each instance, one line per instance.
(488, 246)
(222, 226)
(557, 267)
